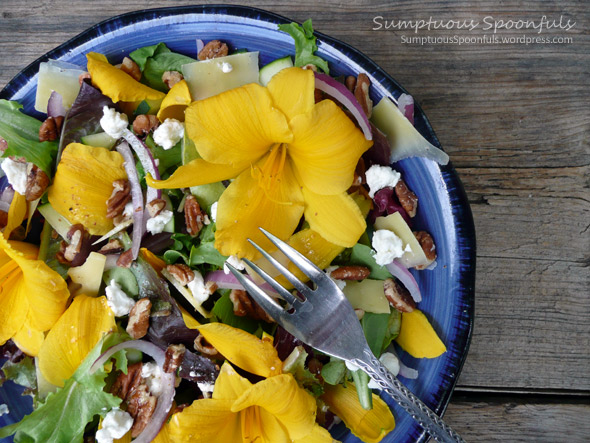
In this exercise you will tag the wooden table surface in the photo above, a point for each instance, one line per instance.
(515, 119)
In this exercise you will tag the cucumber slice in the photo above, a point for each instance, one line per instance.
(268, 71)
(170, 225)
(208, 194)
(100, 140)
(189, 150)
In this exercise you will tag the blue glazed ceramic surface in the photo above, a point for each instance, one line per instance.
(448, 296)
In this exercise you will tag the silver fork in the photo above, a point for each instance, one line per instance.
(325, 320)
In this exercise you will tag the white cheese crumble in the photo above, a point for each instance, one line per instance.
(128, 210)
(235, 262)
(115, 425)
(117, 300)
(340, 283)
(4, 410)
(226, 67)
(198, 288)
(214, 212)
(387, 246)
(379, 177)
(156, 224)
(16, 174)
(169, 133)
(391, 363)
(113, 123)
(152, 375)
(206, 388)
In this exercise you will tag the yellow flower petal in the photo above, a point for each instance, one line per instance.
(282, 397)
(229, 384)
(208, 420)
(44, 290)
(13, 304)
(189, 320)
(317, 435)
(261, 197)
(326, 148)
(242, 349)
(292, 91)
(156, 262)
(337, 218)
(29, 339)
(260, 426)
(417, 336)
(16, 213)
(115, 83)
(73, 337)
(175, 102)
(237, 126)
(368, 425)
(197, 172)
(83, 183)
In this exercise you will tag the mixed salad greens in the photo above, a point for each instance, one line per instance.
(120, 210)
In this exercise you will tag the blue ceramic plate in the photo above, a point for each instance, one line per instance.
(444, 211)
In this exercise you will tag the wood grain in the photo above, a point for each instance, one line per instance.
(515, 120)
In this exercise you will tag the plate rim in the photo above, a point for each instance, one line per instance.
(462, 215)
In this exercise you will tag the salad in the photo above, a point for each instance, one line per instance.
(121, 208)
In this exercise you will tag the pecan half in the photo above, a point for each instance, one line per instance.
(130, 67)
(350, 82)
(124, 383)
(77, 250)
(37, 182)
(170, 78)
(428, 246)
(361, 93)
(125, 259)
(139, 318)
(406, 198)
(140, 405)
(173, 358)
(245, 306)
(350, 273)
(50, 129)
(144, 123)
(155, 206)
(194, 216)
(204, 347)
(114, 246)
(398, 296)
(182, 273)
(120, 196)
(213, 49)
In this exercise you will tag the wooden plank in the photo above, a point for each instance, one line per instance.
(515, 420)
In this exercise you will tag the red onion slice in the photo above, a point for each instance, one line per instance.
(147, 161)
(405, 104)
(136, 196)
(55, 106)
(337, 90)
(165, 399)
(400, 272)
(229, 281)
(7, 195)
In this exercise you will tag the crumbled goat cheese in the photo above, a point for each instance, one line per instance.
(113, 123)
(340, 283)
(169, 133)
(198, 288)
(4, 410)
(117, 300)
(214, 212)
(16, 174)
(156, 224)
(115, 425)
(128, 210)
(391, 363)
(379, 177)
(152, 375)
(226, 67)
(206, 388)
(235, 262)
(387, 246)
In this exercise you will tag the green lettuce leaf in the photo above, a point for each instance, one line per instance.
(206, 253)
(22, 373)
(64, 414)
(305, 45)
(363, 255)
(224, 311)
(21, 132)
(334, 371)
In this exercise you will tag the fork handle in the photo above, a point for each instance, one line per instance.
(424, 416)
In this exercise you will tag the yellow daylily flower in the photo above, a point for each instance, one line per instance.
(73, 336)
(16, 213)
(32, 295)
(175, 102)
(288, 155)
(368, 425)
(117, 84)
(273, 410)
(83, 183)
